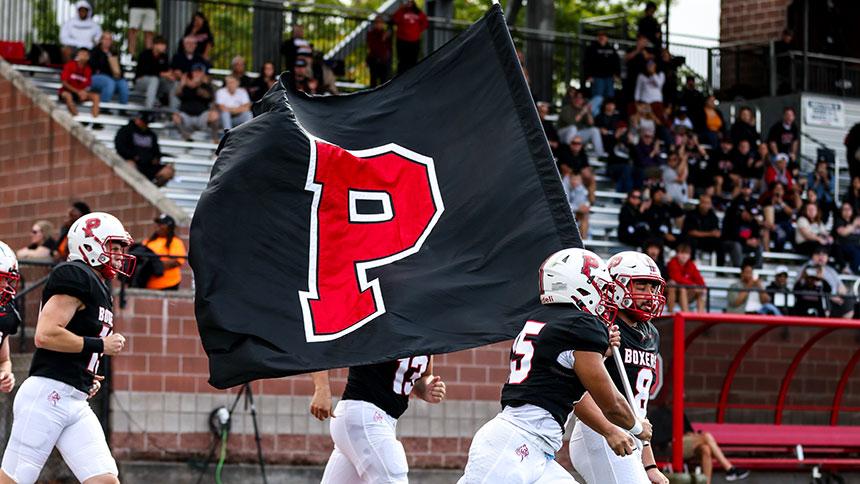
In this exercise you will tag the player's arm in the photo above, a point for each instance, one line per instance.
(7, 378)
(588, 366)
(51, 332)
(650, 463)
(430, 388)
(619, 441)
(321, 401)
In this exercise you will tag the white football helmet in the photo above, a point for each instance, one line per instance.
(578, 277)
(89, 241)
(9, 276)
(629, 267)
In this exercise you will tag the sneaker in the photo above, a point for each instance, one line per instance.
(735, 474)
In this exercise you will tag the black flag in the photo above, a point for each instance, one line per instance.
(408, 219)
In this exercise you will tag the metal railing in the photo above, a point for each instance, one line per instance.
(791, 296)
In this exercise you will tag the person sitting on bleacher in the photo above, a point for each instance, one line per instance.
(747, 295)
(742, 227)
(811, 232)
(80, 31)
(779, 209)
(76, 78)
(237, 70)
(153, 76)
(138, 145)
(195, 109)
(233, 103)
(662, 214)
(833, 299)
(181, 64)
(702, 227)
(107, 75)
(632, 227)
(780, 293)
(686, 282)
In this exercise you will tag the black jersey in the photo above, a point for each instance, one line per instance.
(9, 320)
(542, 360)
(386, 385)
(639, 349)
(76, 279)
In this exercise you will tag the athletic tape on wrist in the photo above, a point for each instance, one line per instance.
(636, 429)
(93, 345)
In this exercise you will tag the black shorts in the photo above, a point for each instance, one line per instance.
(75, 97)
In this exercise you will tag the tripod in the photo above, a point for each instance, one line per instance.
(222, 416)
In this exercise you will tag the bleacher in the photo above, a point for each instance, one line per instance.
(193, 162)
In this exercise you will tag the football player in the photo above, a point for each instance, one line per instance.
(74, 330)
(366, 449)
(638, 293)
(9, 318)
(554, 360)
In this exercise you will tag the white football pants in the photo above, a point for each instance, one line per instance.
(598, 464)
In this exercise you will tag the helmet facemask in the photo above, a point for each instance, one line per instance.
(8, 286)
(640, 306)
(113, 262)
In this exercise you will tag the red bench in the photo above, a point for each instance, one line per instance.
(13, 52)
(767, 446)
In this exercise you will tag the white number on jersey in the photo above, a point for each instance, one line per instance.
(643, 391)
(93, 366)
(523, 351)
(410, 369)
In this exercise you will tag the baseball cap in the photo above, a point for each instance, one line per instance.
(781, 270)
(165, 220)
(301, 63)
(146, 116)
(199, 66)
(780, 156)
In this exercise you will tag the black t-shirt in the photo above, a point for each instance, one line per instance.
(183, 63)
(195, 100)
(659, 217)
(99, 62)
(140, 146)
(639, 348)
(142, 4)
(744, 131)
(783, 137)
(696, 221)
(148, 64)
(386, 385)
(9, 320)
(78, 280)
(542, 360)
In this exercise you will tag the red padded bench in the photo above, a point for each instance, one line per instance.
(13, 52)
(766, 446)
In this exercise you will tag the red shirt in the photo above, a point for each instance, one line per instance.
(687, 274)
(410, 23)
(79, 77)
(772, 174)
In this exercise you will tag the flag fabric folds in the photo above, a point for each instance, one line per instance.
(408, 219)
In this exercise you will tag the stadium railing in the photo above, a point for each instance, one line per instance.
(767, 445)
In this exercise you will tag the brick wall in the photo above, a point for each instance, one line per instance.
(162, 399)
(752, 21)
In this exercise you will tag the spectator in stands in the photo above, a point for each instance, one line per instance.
(195, 110)
(577, 198)
(261, 85)
(76, 210)
(654, 249)
(852, 150)
(778, 172)
(198, 29)
(704, 446)
(702, 227)
(164, 242)
(548, 128)
(853, 194)
(742, 227)
(846, 236)
(602, 66)
(632, 227)
(137, 144)
(636, 60)
(649, 88)
(649, 27)
(675, 177)
(669, 65)
(811, 233)
(684, 273)
(821, 182)
(694, 100)
(573, 155)
(682, 119)
(411, 23)
(748, 296)
(748, 164)
(41, 245)
(379, 52)
(784, 136)
(301, 79)
(107, 74)
(79, 31)
(778, 218)
(646, 159)
(713, 122)
(702, 172)
(76, 80)
(321, 72)
(233, 103)
(142, 15)
(744, 128)
(237, 70)
(816, 275)
(153, 76)
(291, 46)
(727, 178)
(661, 215)
(576, 120)
(187, 57)
(779, 291)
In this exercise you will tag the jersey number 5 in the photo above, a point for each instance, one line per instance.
(523, 351)
(410, 369)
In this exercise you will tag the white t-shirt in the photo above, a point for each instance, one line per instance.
(238, 98)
